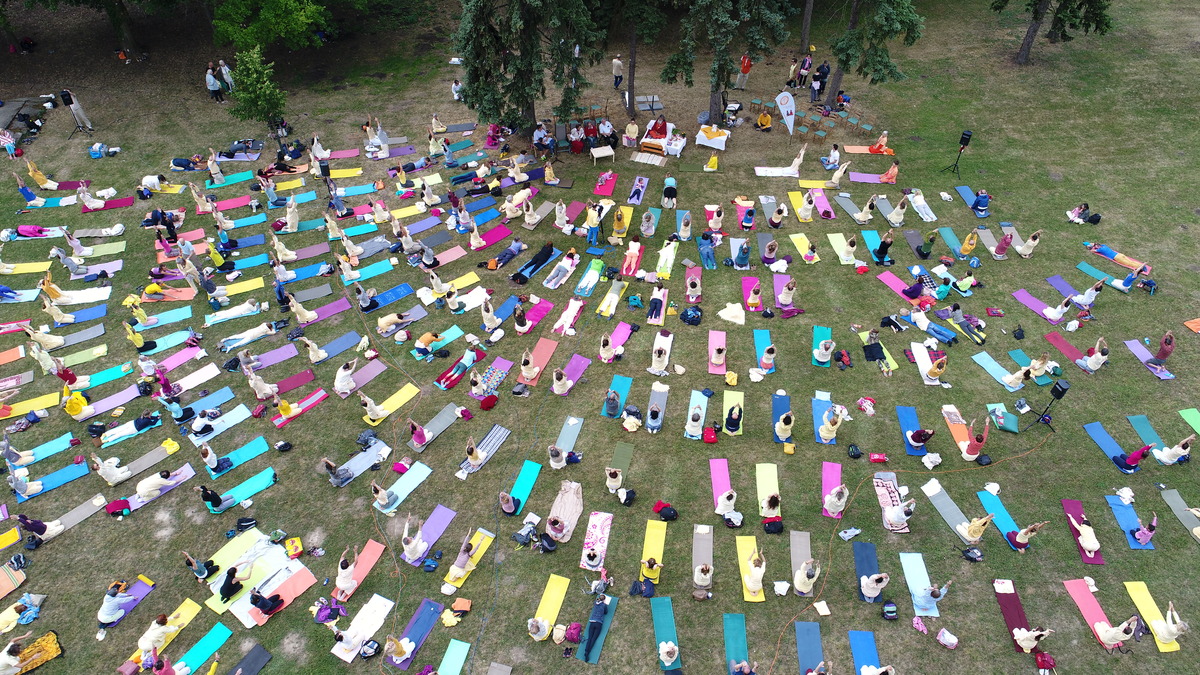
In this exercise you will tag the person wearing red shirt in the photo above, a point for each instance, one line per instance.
(745, 72)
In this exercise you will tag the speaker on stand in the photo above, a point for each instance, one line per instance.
(1057, 392)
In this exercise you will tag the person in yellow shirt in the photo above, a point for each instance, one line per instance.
(8, 618)
(764, 121)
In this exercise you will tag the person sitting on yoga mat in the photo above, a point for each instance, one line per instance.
(1020, 539)
(871, 586)
(509, 505)
(650, 571)
(1170, 629)
(231, 585)
(881, 252)
(896, 517)
(1166, 346)
(960, 320)
(1129, 463)
(112, 608)
(1173, 454)
(982, 202)
(612, 404)
(824, 351)
(702, 577)
(418, 434)
(1144, 533)
(753, 578)
(538, 628)
(806, 577)
(890, 175)
(1096, 357)
(733, 419)
(1111, 636)
(613, 479)
(896, 217)
(385, 499)
(695, 424)
(1086, 536)
(1029, 640)
(771, 255)
(769, 507)
(835, 501)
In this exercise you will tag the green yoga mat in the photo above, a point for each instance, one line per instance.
(1010, 419)
(455, 658)
(449, 335)
(663, 616)
(1144, 431)
(107, 249)
(252, 486)
(622, 456)
(1192, 417)
(594, 655)
(820, 334)
(109, 374)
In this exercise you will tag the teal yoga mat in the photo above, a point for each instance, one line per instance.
(168, 341)
(594, 655)
(524, 483)
(994, 369)
(663, 615)
(762, 340)
(621, 385)
(449, 335)
(1003, 521)
(109, 374)
(244, 454)
(697, 399)
(1011, 423)
(170, 316)
(455, 658)
(208, 645)
(231, 179)
(365, 228)
(356, 190)
(50, 448)
(872, 241)
(735, 638)
(1141, 425)
(406, 484)
(252, 261)
(252, 486)
(1022, 359)
(370, 271)
(820, 334)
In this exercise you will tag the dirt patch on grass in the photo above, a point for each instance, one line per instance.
(295, 647)
(246, 645)
(315, 537)
(163, 525)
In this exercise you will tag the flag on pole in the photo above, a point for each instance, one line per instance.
(787, 109)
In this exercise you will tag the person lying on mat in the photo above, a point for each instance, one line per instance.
(896, 517)
(1108, 252)
(965, 325)
(1111, 636)
(521, 276)
(1096, 357)
(1086, 536)
(871, 586)
(763, 123)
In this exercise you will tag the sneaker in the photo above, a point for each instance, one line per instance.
(101, 634)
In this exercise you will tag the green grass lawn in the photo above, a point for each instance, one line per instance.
(1078, 125)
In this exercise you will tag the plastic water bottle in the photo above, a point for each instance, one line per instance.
(1147, 341)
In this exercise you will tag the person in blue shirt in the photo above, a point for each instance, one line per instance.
(928, 599)
(982, 201)
(595, 624)
(708, 256)
(670, 193)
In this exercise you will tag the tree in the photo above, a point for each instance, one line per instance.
(259, 99)
(1090, 16)
(722, 26)
(509, 47)
(864, 45)
(637, 21)
(806, 25)
(118, 15)
(246, 23)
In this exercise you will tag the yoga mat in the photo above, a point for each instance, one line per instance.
(766, 482)
(81, 336)
(1003, 521)
(247, 452)
(594, 655)
(716, 338)
(21, 408)
(480, 542)
(1060, 343)
(622, 456)
(697, 399)
(819, 407)
(808, 645)
(735, 637)
(57, 479)
(866, 563)
(907, 416)
(1025, 298)
(1127, 520)
(1144, 431)
(1102, 439)
(831, 477)
(746, 546)
(250, 487)
(524, 483)
(718, 470)
(862, 648)
(1148, 612)
(87, 314)
(991, 367)
(372, 270)
(820, 334)
(1142, 354)
(111, 204)
(945, 506)
(418, 629)
(606, 190)
(780, 404)
(455, 658)
(663, 616)
(365, 624)
(540, 356)
(170, 316)
(1074, 508)
(449, 335)
(1010, 608)
(569, 433)
(887, 491)
(575, 369)
(552, 598)
(139, 589)
(1189, 521)
(203, 650)
(1094, 273)
(1088, 606)
(440, 422)
(762, 340)
(1192, 417)
(392, 295)
(213, 400)
(435, 525)
(253, 663)
(732, 398)
(620, 384)
(393, 403)
(49, 449)
(405, 485)
(227, 420)
(1059, 284)
(917, 578)
(1022, 360)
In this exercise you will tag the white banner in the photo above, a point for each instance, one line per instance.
(787, 109)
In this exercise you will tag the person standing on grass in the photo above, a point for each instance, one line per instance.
(618, 71)
(226, 75)
(214, 86)
(803, 71)
(745, 65)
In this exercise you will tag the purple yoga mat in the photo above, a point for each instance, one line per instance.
(275, 356)
(110, 267)
(621, 334)
(779, 281)
(435, 525)
(499, 364)
(71, 184)
(821, 202)
(419, 627)
(575, 368)
(129, 393)
(186, 474)
(139, 590)
(423, 225)
(864, 177)
(365, 374)
(312, 251)
(336, 307)
(574, 209)
(397, 152)
(1061, 285)
(1025, 298)
(1139, 350)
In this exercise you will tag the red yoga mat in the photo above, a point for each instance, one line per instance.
(112, 204)
(1013, 613)
(295, 381)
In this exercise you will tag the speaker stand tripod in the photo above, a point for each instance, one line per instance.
(954, 167)
(1044, 418)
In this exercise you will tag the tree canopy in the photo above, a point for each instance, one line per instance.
(258, 98)
(1089, 16)
(863, 47)
(249, 23)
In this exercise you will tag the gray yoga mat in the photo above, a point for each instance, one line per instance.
(147, 460)
(843, 200)
(768, 205)
(569, 434)
(801, 549)
(252, 663)
(374, 453)
(702, 546)
(487, 447)
(82, 336)
(98, 232)
(313, 293)
(542, 211)
(883, 206)
(1016, 238)
(499, 669)
(436, 239)
(915, 240)
(946, 507)
(989, 241)
(374, 246)
(437, 425)
(82, 512)
(415, 314)
(1180, 509)
(459, 128)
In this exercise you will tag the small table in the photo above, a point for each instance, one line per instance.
(603, 151)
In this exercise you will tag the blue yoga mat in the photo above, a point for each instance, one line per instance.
(872, 241)
(486, 217)
(866, 563)
(109, 444)
(86, 314)
(168, 341)
(819, 407)
(306, 272)
(255, 240)
(58, 479)
(820, 334)
(252, 486)
(1105, 442)
(1003, 521)
(252, 220)
(406, 484)
(340, 345)
(735, 638)
(109, 374)
(370, 271)
(663, 615)
(253, 261)
(169, 316)
(762, 340)
(208, 645)
(968, 196)
(392, 295)
(365, 228)
(302, 198)
(779, 405)
(356, 190)
(242, 455)
(621, 385)
(1127, 520)
(594, 655)
(524, 483)
(423, 225)
(862, 647)
(505, 310)
(808, 645)
(907, 415)
(51, 447)
(213, 400)
(480, 204)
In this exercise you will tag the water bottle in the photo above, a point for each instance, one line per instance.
(1147, 341)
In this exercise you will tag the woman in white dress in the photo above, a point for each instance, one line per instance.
(247, 336)
(343, 381)
(315, 353)
(282, 252)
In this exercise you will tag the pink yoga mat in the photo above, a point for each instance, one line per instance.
(343, 154)
(779, 281)
(831, 477)
(496, 234)
(574, 209)
(741, 213)
(822, 204)
(535, 314)
(235, 203)
(112, 204)
(1142, 354)
(277, 355)
(575, 369)
(540, 356)
(895, 283)
(748, 284)
(110, 267)
(606, 190)
(864, 177)
(336, 307)
(361, 210)
(689, 273)
(312, 251)
(450, 255)
(435, 525)
(365, 374)
(13, 326)
(621, 333)
(716, 338)
(295, 381)
(193, 235)
(1088, 606)
(1026, 298)
(1068, 350)
(1073, 507)
(718, 470)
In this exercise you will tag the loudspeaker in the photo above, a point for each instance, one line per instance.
(1059, 389)
(965, 140)
(66, 97)
(324, 165)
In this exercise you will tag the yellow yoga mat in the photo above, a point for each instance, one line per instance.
(732, 398)
(960, 330)
(169, 189)
(745, 548)
(624, 287)
(235, 548)
(30, 268)
(289, 184)
(468, 279)
(887, 356)
(345, 173)
(9, 538)
(810, 184)
(407, 211)
(187, 611)
(1148, 610)
(244, 286)
(766, 478)
(257, 576)
(655, 541)
(23, 408)
(481, 541)
(395, 401)
(800, 241)
(797, 200)
(838, 241)
(552, 598)
(627, 213)
(418, 183)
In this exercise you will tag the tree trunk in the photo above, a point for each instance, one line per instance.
(1035, 24)
(806, 25)
(834, 83)
(118, 14)
(630, 103)
(7, 34)
(715, 109)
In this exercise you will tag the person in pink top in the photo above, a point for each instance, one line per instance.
(419, 435)
(1129, 463)
(977, 441)
(1144, 533)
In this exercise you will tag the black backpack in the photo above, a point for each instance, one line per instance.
(691, 316)
(144, 388)
(773, 527)
(668, 513)
(244, 524)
